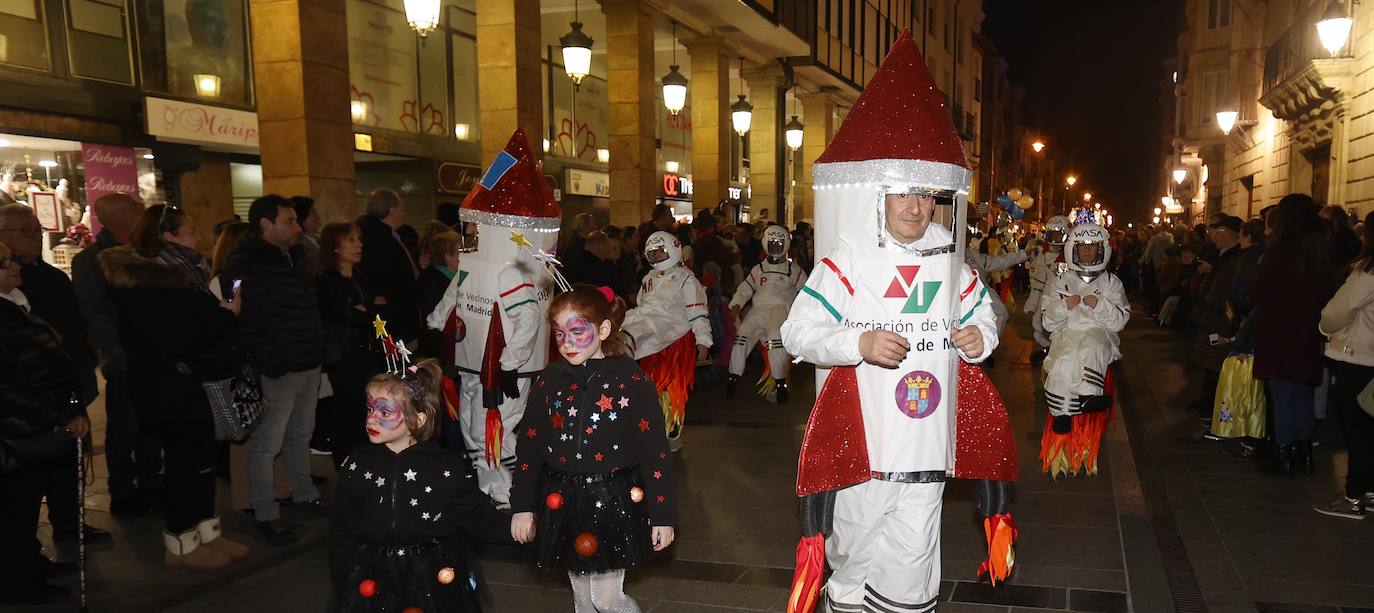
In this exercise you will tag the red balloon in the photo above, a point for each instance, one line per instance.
(554, 500)
(586, 544)
(368, 588)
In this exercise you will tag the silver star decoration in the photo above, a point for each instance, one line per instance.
(605, 386)
(403, 353)
(579, 456)
(615, 447)
(596, 417)
(598, 504)
(368, 475)
(612, 415)
(353, 466)
(589, 479)
(414, 502)
(380, 481)
(400, 552)
(410, 474)
(624, 402)
(424, 515)
(572, 412)
(446, 473)
(565, 437)
(428, 489)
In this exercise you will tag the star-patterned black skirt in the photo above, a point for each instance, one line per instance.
(597, 525)
(430, 576)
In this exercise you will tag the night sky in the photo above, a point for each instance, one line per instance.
(1092, 71)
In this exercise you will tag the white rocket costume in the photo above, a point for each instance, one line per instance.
(771, 287)
(1083, 345)
(667, 325)
(497, 357)
(1044, 269)
(880, 442)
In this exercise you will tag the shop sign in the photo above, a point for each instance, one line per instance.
(734, 193)
(186, 122)
(589, 183)
(675, 186)
(108, 169)
(455, 178)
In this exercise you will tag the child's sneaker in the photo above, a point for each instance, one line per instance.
(1340, 506)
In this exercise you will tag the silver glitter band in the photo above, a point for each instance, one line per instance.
(897, 175)
(533, 224)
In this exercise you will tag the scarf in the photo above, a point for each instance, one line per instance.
(189, 261)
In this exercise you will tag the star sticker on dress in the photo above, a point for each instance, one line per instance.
(662, 499)
(596, 417)
(531, 433)
(401, 551)
(658, 474)
(428, 489)
(598, 504)
(605, 386)
(622, 386)
(414, 502)
(424, 515)
(562, 459)
(380, 481)
(662, 455)
(578, 456)
(524, 466)
(368, 475)
(604, 403)
(643, 425)
(353, 466)
(589, 430)
(565, 437)
(624, 402)
(612, 415)
(615, 447)
(410, 474)
(557, 421)
(599, 457)
(446, 473)
(573, 387)
(558, 404)
(572, 412)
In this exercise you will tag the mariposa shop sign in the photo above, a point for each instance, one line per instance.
(187, 122)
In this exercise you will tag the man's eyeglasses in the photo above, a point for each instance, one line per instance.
(29, 232)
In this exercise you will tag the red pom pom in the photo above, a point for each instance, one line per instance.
(368, 588)
(554, 500)
(586, 544)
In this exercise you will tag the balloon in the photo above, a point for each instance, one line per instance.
(1005, 202)
(1014, 193)
(1027, 201)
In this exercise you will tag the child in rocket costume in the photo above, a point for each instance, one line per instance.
(493, 313)
(1044, 269)
(668, 330)
(771, 286)
(900, 320)
(1083, 310)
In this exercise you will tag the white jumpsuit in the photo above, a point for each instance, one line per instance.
(985, 265)
(1084, 339)
(671, 303)
(885, 548)
(1044, 268)
(771, 288)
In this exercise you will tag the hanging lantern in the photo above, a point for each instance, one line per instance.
(577, 51)
(674, 84)
(741, 112)
(207, 85)
(793, 131)
(422, 15)
(1334, 27)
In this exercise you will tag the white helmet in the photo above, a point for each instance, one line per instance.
(776, 242)
(1056, 229)
(663, 251)
(1088, 235)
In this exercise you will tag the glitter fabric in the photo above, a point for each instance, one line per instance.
(512, 193)
(900, 114)
(895, 174)
(834, 452)
(984, 446)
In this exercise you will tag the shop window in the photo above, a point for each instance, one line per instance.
(98, 40)
(23, 34)
(196, 49)
(463, 48)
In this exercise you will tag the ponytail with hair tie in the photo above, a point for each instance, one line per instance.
(606, 291)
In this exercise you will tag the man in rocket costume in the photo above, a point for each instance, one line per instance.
(668, 330)
(1044, 269)
(900, 319)
(493, 314)
(1083, 310)
(771, 286)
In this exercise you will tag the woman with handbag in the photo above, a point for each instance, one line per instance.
(1348, 322)
(348, 331)
(39, 426)
(178, 337)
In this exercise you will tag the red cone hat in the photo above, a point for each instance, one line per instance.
(902, 126)
(512, 193)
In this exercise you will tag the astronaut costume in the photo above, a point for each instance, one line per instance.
(771, 286)
(1083, 345)
(498, 357)
(1044, 269)
(880, 442)
(667, 324)
(985, 266)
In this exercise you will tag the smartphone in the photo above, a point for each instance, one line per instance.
(233, 293)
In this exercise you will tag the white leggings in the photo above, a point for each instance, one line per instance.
(601, 593)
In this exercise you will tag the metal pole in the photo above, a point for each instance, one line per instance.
(81, 518)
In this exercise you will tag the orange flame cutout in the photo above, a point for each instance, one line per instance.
(806, 581)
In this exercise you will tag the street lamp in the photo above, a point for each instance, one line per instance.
(577, 50)
(1226, 120)
(1334, 27)
(793, 132)
(1159, 210)
(603, 156)
(422, 15)
(741, 112)
(1038, 146)
(358, 109)
(1087, 196)
(1180, 174)
(1071, 180)
(207, 85)
(674, 84)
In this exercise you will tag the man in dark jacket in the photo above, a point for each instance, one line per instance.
(388, 271)
(707, 247)
(1214, 326)
(52, 300)
(281, 330)
(133, 456)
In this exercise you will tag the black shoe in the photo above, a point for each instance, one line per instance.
(128, 506)
(94, 536)
(49, 568)
(277, 533)
(1038, 356)
(1211, 436)
(730, 386)
(36, 594)
(782, 390)
(1302, 457)
(1281, 464)
(1062, 424)
(310, 509)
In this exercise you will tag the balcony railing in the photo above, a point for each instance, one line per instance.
(1296, 48)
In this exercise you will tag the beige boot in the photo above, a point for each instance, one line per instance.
(184, 551)
(211, 538)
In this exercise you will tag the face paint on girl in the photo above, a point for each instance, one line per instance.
(386, 421)
(578, 339)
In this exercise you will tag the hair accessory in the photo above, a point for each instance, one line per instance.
(398, 359)
(549, 260)
(606, 291)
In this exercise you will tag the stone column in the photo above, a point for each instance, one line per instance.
(711, 129)
(300, 74)
(508, 60)
(766, 144)
(207, 195)
(631, 89)
(819, 110)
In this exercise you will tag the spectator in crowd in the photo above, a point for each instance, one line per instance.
(750, 247)
(52, 299)
(582, 226)
(661, 219)
(36, 398)
(621, 269)
(227, 242)
(428, 231)
(443, 251)
(281, 330)
(175, 238)
(447, 214)
(708, 247)
(1150, 262)
(1345, 244)
(178, 336)
(1296, 278)
(1214, 326)
(348, 360)
(388, 271)
(803, 246)
(1169, 281)
(133, 456)
(308, 215)
(591, 265)
(1348, 322)
(219, 227)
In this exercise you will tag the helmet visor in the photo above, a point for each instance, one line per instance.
(1054, 235)
(656, 255)
(776, 248)
(1088, 253)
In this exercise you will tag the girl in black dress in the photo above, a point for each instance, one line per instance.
(593, 486)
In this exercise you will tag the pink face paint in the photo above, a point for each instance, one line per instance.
(578, 339)
(384, 412)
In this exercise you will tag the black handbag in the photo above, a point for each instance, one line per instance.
(236, 403)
